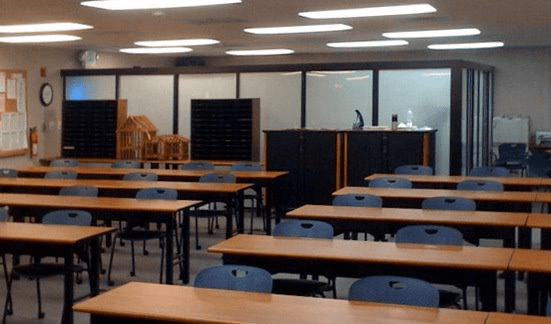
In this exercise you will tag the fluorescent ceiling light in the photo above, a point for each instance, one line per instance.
(178, 42)
(39, 39)
(297, 29)
(156, 4)
(370, 12)
(434, 33)
(261, 52)
(368, 44)
(465, 45)
(156, 50)
(49, 27)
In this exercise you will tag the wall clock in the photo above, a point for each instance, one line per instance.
(46, 94)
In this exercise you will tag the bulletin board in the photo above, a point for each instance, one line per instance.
(13, 113)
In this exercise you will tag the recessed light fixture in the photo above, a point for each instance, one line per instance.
(280, 51)
(298, 29)
(148, 4)
(466, 45)
(39, 39)
(368, 44)
(47, 27)
(178, 42)
(434, 33)
(156, 50)
(370, 12)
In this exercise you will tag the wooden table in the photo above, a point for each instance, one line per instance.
(164, 211)
(537, 263)
(450, 182)
(502, 318)
(472, 265)
(348, 219)
(56, 240)
(261, 179)
(153, 303)
(231, 193)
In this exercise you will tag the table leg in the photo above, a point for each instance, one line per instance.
(488, 290)
(93, 272)
(510, 291)
(68, 297)
(169, 249)
(185, 247)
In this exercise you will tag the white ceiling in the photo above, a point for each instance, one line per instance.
(518, 23)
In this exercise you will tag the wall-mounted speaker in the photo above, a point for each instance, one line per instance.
(88, 58)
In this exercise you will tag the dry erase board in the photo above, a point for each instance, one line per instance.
(13, 112)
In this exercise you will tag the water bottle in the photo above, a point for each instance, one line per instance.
(409, 123)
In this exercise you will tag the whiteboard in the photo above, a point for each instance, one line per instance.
(511, 130)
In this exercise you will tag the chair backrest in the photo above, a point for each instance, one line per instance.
(390, 183)
(64, 162)
(131, 164)
(197, 165)
(395, 290)
(157, 193)
(414, 169)
(68, 217)
(489, 171)
(235, 277)
(3, 214)
(449, 203)
(304, 228)
(140, 176)
(429, 234)
(8, 173)
(480, 185)
(246, 166)
(218, 177)
(61, 174)
(512, 150)
(363, 200)
(78, 190)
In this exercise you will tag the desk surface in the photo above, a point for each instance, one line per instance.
(419, 194)
(530, 260)
(162, 173)
(96, 203)
(408, 215)
(504, 318)
(346, 251)
(447, 179)
(189, 187)
(185, 304)
(49, 234)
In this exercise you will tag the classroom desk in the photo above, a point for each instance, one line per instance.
(502, 318)
(118, 208)
(537, 265)
(231, 193)
(466, 265)
(349, 219)
(153, 303)
(261, 179)
(450, 182)
(60, 241)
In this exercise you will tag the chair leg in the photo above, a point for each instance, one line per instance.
(8, 305)
(39, 296)
(162, 263)
(133, 268)
(197, 246)
(113, 244)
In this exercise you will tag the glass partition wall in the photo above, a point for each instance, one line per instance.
(454, 97)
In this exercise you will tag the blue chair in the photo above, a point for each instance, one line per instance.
(61, 174)
(388, 182)
(449, 203)
(140, 176)
(138, 231)
(489, 171)
(363, 200)
(436, 235)
(211, 209)
(78, 190)
(394, 290)
(197, 165)
(414, 169)
(37, 269)
(513, 156)
(8, 173)
(480, 185)
(252, 195)
(64, 162)
(235, 277)
(127, 164)
(304, 286)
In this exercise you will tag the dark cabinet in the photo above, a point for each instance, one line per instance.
(225, 129)
(90, 128)
(319, 162)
